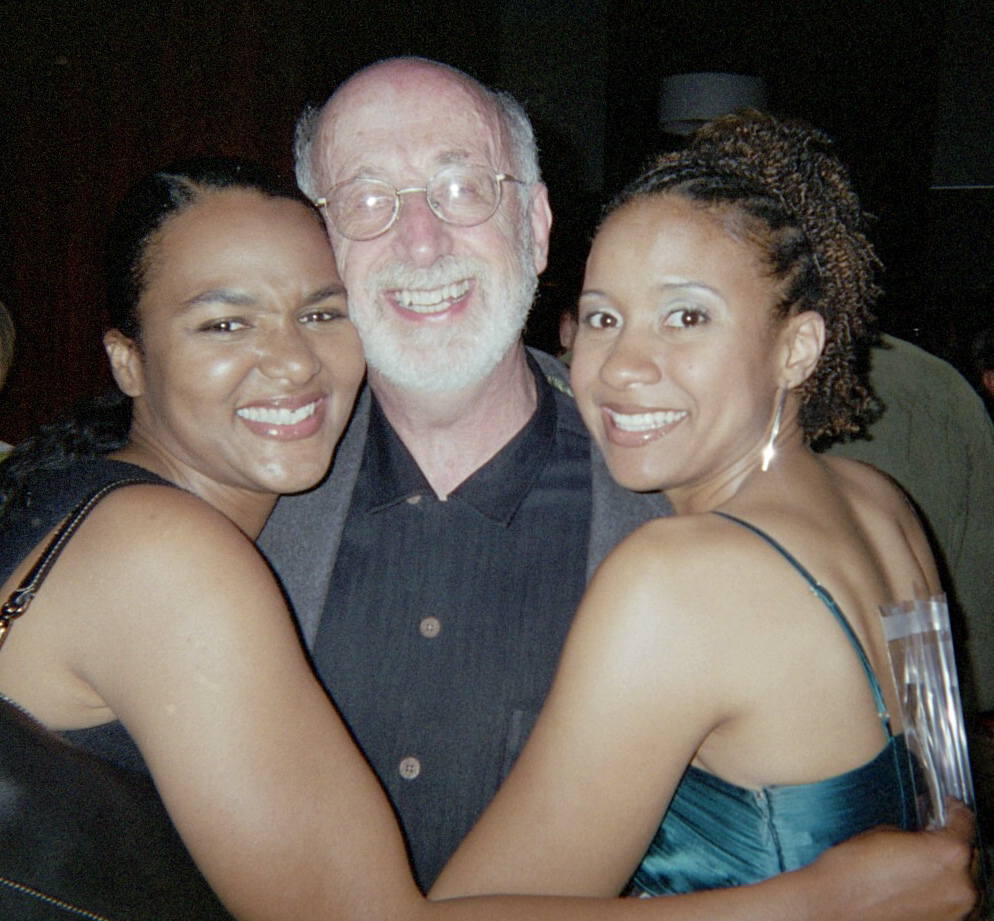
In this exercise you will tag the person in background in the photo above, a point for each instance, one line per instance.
(935, 439)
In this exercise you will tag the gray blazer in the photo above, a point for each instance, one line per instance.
(301, 538)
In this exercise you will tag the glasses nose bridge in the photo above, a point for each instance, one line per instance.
(407, 190)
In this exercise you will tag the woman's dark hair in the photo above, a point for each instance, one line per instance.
(102, 425)
(777, 185)
(155, 199)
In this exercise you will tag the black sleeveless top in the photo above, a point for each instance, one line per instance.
(83, 831)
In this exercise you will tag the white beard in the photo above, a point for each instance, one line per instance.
(435, 360)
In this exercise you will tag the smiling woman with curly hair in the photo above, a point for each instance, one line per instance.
(720, 713)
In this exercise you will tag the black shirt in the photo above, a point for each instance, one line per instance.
(445, 619)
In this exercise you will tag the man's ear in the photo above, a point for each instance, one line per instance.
(804, 340)
(126, 362)
(541, 219)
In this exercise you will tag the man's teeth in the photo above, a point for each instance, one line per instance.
(645, 422)
(272, 416)
(432, 301)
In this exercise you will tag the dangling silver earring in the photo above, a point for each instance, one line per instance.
(769, 450)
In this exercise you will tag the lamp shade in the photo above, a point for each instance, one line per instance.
(689, 100)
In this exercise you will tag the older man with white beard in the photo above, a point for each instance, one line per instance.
(435, 572)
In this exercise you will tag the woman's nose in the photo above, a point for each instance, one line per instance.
(286, 353)
(631, 362)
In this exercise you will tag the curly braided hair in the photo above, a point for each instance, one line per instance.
(777, 185)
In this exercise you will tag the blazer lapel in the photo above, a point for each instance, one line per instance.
(301, 538)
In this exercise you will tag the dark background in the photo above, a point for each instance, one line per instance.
(94, 94)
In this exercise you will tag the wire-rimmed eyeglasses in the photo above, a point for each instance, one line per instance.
(461, 194)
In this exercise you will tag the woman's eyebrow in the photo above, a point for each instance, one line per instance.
(323, 294)
(219, 295)
(678, 284)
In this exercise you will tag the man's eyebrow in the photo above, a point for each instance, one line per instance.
(454, 156)
(445, 158)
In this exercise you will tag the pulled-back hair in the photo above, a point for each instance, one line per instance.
(778, 186)
(150, 203)
(103, 424)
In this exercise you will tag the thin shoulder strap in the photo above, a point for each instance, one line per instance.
(22, 596)
(825, 597)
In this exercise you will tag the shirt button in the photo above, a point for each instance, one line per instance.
(430, 627)
(410, 767)
(413, 500)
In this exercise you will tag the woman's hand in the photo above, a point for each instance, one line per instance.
(890, 875)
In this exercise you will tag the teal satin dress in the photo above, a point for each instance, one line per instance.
(716, 834)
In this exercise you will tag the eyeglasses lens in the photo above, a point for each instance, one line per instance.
(362, 209)
(464, 195)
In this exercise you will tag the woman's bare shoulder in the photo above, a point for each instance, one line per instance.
(155, 556)
(879, 502)
(137, 522)
(681, 544)
(670, 566)
(864, 483)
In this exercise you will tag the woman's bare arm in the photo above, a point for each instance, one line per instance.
(595, 777)
(191, 647)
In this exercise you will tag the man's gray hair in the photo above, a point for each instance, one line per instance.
(520, 138)
(514, 123)
(307, 128)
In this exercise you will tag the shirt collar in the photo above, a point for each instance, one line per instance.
(496, 490)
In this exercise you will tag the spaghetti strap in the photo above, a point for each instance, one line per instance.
(24, 594)
(825, 597)
(716, 833)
